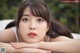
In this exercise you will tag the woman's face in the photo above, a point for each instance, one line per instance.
(32, 28)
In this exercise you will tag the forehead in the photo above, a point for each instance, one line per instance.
(35, 11)
(27, 11)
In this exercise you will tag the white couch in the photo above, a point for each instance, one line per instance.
(76, 36)
(3, 23)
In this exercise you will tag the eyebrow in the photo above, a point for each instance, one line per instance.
(26, 15)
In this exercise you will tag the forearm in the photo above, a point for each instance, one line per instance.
(66, 46)
(8, 47)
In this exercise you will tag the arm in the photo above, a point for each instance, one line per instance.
(8, 47)
(64, 46)
(61, 44)
(7, 35)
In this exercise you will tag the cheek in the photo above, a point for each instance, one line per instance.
(42, 30)
(22, 28)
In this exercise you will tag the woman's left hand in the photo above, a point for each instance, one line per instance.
(24, 45)
(29, 47)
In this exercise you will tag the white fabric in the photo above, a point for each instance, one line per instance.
(14, 29)
(76, 36)
(3, 23)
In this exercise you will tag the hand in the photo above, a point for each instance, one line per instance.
(24, 45)
(29, 48)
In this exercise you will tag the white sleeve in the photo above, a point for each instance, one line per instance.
(15, 31)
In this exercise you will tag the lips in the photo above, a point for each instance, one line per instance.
(32, 35)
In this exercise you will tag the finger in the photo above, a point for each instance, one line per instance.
(12, 43)
(16, 45)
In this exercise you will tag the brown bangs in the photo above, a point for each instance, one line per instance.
(37, 9)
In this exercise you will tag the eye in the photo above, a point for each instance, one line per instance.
(25, 19)
(40, 20)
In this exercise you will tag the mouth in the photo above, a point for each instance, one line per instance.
(32, 34)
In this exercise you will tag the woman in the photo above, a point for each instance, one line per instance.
(34, 30)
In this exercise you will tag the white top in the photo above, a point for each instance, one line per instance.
(15, 31)
(3, 24)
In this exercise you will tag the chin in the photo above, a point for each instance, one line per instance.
(32, 41)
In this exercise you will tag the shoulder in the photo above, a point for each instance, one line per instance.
(60, 38)
(7, 35)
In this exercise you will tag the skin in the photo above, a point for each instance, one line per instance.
(72, 46)
(10, 49)
(27, 44)
(38, 24)
(26, 24)
(40, 27)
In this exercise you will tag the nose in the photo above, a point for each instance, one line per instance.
(32, 25)
(32, 28)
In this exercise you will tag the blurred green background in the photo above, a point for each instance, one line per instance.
(67, 13)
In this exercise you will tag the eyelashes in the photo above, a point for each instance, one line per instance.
(39, 20)
(25, 19)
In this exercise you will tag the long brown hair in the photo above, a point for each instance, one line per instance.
(57, 29)
(39, 8)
